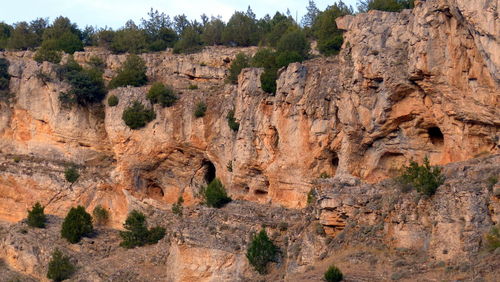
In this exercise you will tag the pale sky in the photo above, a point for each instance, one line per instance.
(114, 13)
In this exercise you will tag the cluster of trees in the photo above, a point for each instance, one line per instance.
(158, 31)
(78, 223)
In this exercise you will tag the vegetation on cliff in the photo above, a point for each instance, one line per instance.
(77, 223)
(162, 94)
(4, 79)
(261, 251)
(36, 216)
(137, 233)
(137, 116)
(424, 178)
(60, 267)
(87, 84)
(215, 194)
(133, 73)
(333, 274)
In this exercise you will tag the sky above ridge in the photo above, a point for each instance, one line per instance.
(114, 13)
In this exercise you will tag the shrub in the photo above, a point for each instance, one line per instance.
(268, 80)
(261, 251)
(137, 233)
(311, 197)
(264, 58)
(113, 101)
(215, 194)
(78, 223)
(288, 57)
(331, 46)
(200, 110)
(229, 166)
(60, 267)
(384, 5)
(242, 61)
(424, 178)
(177, 207)
(71, 174)
(36, 216)
(193, 87)
(137, 116)
(4, 78)
(294, 41)
(45, 54)
(231, 121)
(87, 85)
(325, 28)
(100, 215)
(133, 73)
(493, 238)
(161, 94)
(333, 274)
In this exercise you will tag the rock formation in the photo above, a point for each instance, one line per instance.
(423, 82)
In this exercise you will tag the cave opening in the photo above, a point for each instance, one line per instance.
(210, 171)
(335, 160)
(436, 136)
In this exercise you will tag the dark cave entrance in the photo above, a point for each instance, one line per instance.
(209, 169)
(436, 136)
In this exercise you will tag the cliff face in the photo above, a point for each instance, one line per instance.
(406, 85)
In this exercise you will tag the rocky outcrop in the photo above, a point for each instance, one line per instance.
(406, 85)
(373, 232)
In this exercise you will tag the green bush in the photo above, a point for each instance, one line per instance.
(385, 5)
(261, 251)
(493, 238)
(4, 78)
(161, 94)
(87, 84)
(333, 274)
(100, 215)
(193, 87)
(137, 233)
(71, 174)
(287, 57)
(215, 194)
(424, 178)
(200, 110)
(78, 223)
(325, 29)
(36, 216)
(294, 41)
(45, 54)
(137, 116)
(133, 73)
(268, 80)
(113, 101)
(177, 207)
(311, 197)
(60, 267)
(264, 58)
(231, 121)
(242, 61)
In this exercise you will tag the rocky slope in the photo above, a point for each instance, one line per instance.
(406, 85)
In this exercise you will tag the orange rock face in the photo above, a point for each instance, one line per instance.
(406, 85)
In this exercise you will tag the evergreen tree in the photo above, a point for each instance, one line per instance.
(261, 251)
(78, 223)
(133, 73)
(36, 216)
(312, 12)
(137, 233)
(215, 194)
(60, 267)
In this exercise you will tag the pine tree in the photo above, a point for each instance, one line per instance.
(36, 216)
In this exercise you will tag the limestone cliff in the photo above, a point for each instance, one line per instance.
(423, 82)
